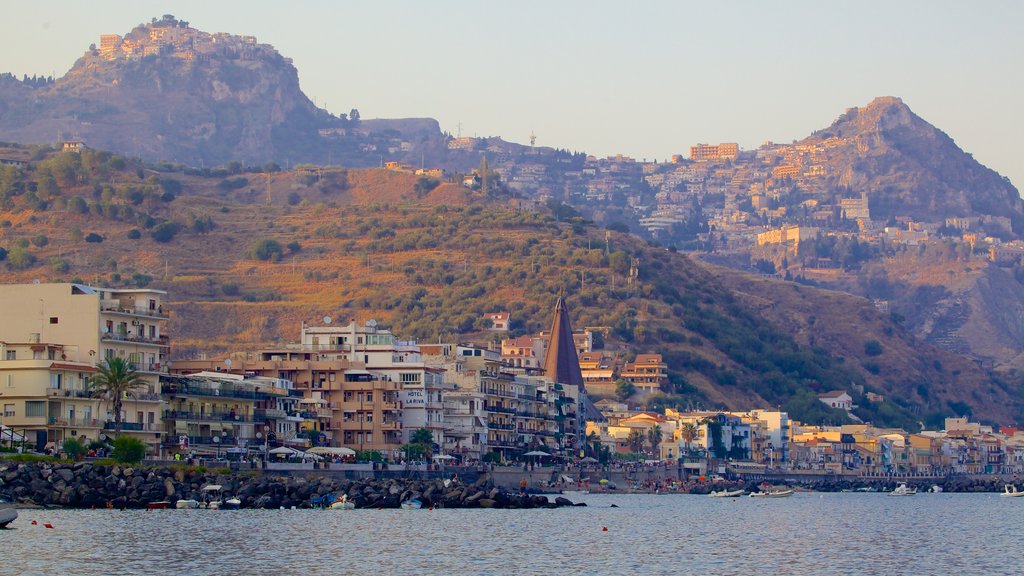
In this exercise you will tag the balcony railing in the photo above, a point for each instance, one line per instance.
(206, 416)
(67, 393)
(188, 390)
(75, 422)
(499, 409)
(115, 306)
(268, 413)
(134, 338)
(135, 426)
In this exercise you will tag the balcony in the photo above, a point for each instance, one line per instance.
(118, 307)
(75, 422)
(499, 410)
(190, 390)
(498, 392)
(494, 426)
(135, 339)
(134, 426)
(67, 393)
(205, 416)
(269, 413)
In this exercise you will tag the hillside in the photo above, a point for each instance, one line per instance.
(907, 167)
(253, 255)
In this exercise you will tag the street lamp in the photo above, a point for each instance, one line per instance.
(266, 444)
(216, 442)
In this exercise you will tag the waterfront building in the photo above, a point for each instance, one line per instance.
(91, 325)
(648, 373)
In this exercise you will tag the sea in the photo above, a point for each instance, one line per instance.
(808, 533)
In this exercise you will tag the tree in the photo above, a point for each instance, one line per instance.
(688, 433)
(423, 438)
(128, 450)
(624, 389)
(20, 258)
(165, 231)
(115, 380)
(654, 439)
(635, 440)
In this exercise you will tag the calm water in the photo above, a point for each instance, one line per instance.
(806, 534)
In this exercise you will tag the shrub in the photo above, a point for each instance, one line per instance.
(229, 289)
(74, 448)
(20, 259)
(60, 265)
(165, 231)
(266, 250)
(3, 254)
(872, 347)
(134, 234)
(40, 240)
(94, 238)
(128, 449)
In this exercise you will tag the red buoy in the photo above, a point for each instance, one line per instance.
(48, 525)
(604, 528)
(34, 522)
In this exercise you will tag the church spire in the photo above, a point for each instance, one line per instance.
(561, 364)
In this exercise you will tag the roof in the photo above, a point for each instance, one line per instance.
(832, 394)
(561, 363)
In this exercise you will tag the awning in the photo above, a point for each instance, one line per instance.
(331, 451)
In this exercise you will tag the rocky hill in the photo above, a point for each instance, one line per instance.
(247, 257)
(907, 167)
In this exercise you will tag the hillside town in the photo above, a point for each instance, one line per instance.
(355, 385)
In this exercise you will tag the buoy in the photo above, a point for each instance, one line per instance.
(604, 528)
(34, 522)
(48, 525)
(379, 508)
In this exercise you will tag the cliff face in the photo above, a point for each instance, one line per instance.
(907, 167)
(167, 91)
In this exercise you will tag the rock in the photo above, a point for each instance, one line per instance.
(66, 475)
(560, 501)
(486, 503)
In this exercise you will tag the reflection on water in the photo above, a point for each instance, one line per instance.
(673, 534)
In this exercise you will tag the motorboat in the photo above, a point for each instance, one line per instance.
(903, 490)
(231, 504)
(412, 504)
(935, 489)
(728, 493)
(772, 494)
(212, 498)
(186, 504)
(1010, 491)
(162, 505)
(7, 515)
(342, 503)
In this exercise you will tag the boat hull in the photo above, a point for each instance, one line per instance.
(7, 515)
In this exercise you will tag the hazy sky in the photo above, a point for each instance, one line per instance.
(646, 79)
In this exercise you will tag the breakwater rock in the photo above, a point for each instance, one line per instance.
(86, 485)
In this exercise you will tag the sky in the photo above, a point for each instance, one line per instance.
(645, 79)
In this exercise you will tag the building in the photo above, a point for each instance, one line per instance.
(855, 208)
(648, 373)
(90, 325)
(499, 321)
(703, 152)
(837, 399)
(523, 352)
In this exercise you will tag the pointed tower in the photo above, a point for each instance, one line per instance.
(561, 363)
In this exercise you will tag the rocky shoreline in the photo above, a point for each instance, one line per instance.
(86, 485)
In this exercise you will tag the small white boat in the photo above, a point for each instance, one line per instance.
(772, 494)
(231, 504)
(342, 503)
(412, 504)
(903, 490)
(1010, 491)
(212, 498)
(728, 493)
(189, 504)
(7, 515)
(935, 489)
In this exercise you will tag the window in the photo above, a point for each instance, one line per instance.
(8, 410)
(35, 409)
(12, 355)
(53, 319)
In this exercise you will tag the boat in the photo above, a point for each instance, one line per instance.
(1010, 491)
(935, 489)
(342, 503)
(902, 490)
(728, 493)
(7, 515)
(186, 504)
(231, 504)
(413, 504)
(212, 498)
(772, 494)
(162, 505)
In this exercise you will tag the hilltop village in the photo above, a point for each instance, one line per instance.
(356, 385)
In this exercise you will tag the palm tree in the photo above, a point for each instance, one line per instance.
(688, 433)
(635, 440)
(116, 380)
(654, 439)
